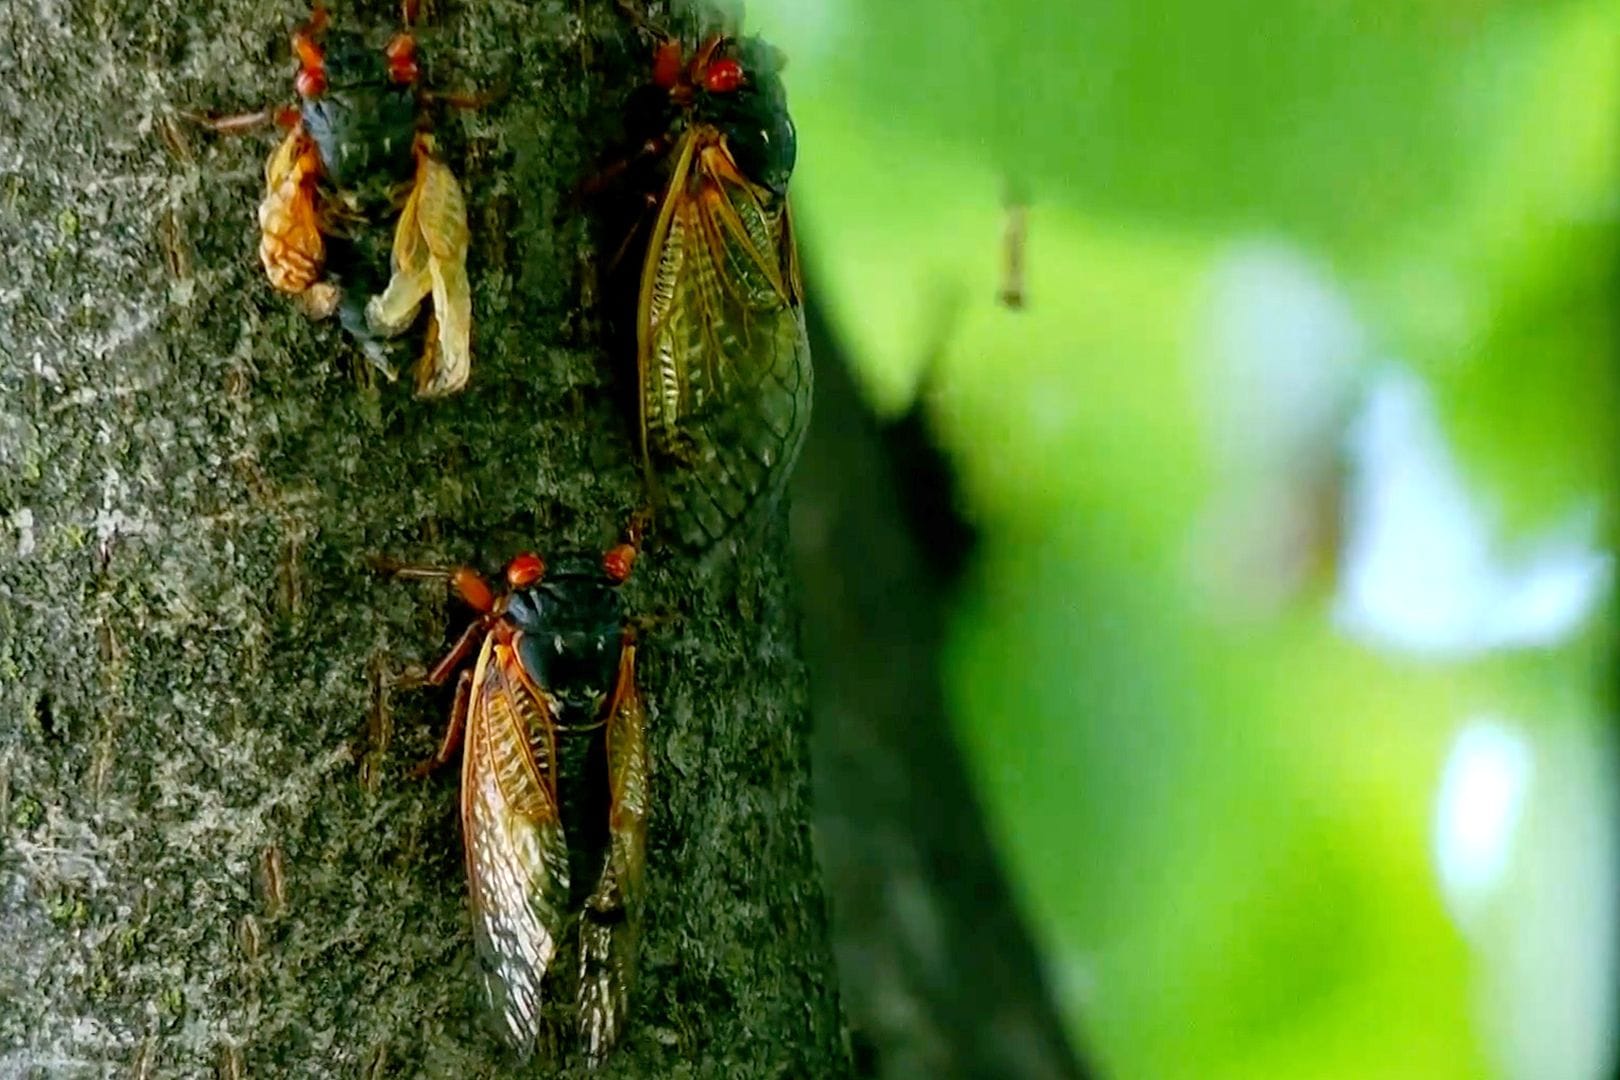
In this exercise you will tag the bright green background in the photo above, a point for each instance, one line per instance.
(1218, 807)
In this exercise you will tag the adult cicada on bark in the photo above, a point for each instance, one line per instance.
(357, 157)
(723, 376)
(554, 775)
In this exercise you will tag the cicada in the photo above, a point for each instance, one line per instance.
(357, 158)
(723, 375)
(554, 777)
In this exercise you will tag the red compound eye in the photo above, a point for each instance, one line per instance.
(525, 570)
(311, 81)
(667, 65)
(401, 53)
(723, 76)
(619, 562)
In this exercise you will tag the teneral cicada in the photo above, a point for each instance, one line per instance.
(356, 158)
(554, 775)
(722, 363)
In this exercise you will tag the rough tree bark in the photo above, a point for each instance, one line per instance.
(210, 855)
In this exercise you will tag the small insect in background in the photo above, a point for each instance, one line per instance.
(1013, 240)
(554, 778)
(723, 373)
(357, 156)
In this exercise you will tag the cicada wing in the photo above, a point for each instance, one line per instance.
(290, 243)
(393, 310)
(610, 927)
(430, 256)
(444, 225)
(724, 358)
(517, 856)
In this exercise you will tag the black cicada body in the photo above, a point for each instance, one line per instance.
(722, 362)
(355, 161)
(554, 775)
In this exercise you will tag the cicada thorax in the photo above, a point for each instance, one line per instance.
(570, 630)
(723, 364)
(571, 622)
(363, 123)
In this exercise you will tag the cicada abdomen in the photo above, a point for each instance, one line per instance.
(723, 363)
(610, 923)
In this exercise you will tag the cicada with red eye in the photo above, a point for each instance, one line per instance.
(723, 374)
(554, 784)
(357, 157)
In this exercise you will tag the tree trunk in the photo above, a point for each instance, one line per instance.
(941, 977)
(211, 855)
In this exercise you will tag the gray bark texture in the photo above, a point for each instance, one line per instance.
(212, 859)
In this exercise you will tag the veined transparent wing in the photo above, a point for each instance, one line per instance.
(722, 357)
(517, 856)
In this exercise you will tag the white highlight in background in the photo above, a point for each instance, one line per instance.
(1483, 789)
(1422, 572)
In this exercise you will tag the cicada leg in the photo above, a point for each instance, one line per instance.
(475, 591)
(452, 735)
(281, 116)
(644, 217)
(469, 640)
(466, 581)
(651, 150)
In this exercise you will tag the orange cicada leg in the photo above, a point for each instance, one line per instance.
(439, 674)
(608, 175)
(282, 116)
(476, 592)
(466, 581)
(452, 734)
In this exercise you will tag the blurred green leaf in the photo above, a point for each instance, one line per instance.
(1222, 812)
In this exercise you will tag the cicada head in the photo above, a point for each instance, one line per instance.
(358, 103)
(746, 100)
(734, 85)
(352, 65)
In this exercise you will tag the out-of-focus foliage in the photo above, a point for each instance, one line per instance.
(1284, 670)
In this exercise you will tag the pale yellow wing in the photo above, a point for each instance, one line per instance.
(430, 257)
(444, 227)
(391, 311)
(290, 244)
